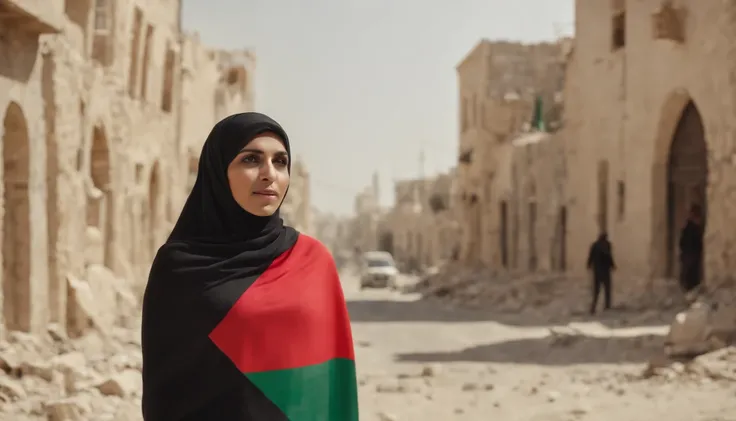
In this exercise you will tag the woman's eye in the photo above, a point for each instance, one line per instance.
(250, 159)
(281, 161)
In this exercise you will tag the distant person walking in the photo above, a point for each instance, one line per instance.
(600, 261)
(691, 250)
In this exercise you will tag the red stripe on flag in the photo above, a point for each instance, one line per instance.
(294, 314)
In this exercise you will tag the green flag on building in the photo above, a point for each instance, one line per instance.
(538, 116)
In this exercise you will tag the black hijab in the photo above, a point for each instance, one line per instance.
(215, 251)
(210, 212)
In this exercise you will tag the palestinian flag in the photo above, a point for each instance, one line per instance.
(289, 335)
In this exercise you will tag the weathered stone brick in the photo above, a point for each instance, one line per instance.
(104, 112)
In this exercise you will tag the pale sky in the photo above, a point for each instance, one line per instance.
(363, 85)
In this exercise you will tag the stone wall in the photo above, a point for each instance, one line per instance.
(94, 151)
(499, 83)
(215, 84)
(645, 134)
(530, 204)
(364, 226)
(421, 230)
(623, 104)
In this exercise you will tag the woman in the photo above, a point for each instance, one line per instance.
(244, 319)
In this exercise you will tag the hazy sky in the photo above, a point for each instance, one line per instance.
(363, 85)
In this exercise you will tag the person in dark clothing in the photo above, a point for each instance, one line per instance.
(691, 250)
(600, 261)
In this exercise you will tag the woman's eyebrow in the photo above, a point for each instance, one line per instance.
(258, 151)
(246, 149)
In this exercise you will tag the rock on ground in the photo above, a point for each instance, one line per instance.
(52, 378)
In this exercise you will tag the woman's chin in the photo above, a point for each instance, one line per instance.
(266, 210)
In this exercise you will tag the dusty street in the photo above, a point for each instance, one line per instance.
(418, 360)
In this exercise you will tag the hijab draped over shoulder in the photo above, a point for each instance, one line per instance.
(221, 300)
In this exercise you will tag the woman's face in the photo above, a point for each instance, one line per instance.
(259, 175)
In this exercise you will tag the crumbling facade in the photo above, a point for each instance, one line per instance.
(421, 230)
(364, 227)
(94, 152)
(650, 113)
(214, 84)
(644, 136)
(500, 83)
(530, 204)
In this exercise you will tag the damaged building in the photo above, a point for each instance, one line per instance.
(105, 106)
(368, 211)
(421, 230)
(509, 93)
(632, 136)
(529, 203)
(649, 111)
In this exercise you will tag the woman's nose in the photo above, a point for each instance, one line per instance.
(267, 171)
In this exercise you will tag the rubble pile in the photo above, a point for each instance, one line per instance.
(719, 365)
(552, 293)
(88, 370)
(51, 377)
(708, 324)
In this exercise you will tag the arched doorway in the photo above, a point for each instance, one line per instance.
(153, 208)
(476, 224)
(100, 208)
(386, 242)
(687, 178)
(503, 239)
(532, 235)
(16, 222)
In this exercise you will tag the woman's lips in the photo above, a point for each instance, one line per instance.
(267, 195)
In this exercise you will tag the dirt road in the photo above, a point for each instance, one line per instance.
(419, 361)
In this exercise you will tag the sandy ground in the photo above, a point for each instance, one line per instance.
(418, 360)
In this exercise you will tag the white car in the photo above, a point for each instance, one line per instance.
(378, 270)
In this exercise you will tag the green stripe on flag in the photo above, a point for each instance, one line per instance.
(321, 392)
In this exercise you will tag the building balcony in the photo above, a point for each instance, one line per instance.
(31, 16)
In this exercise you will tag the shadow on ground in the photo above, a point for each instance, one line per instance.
(544, 351)
(430, 310)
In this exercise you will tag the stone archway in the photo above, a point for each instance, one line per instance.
(386, 242)
(687, 178)
(100, 206)
(503, 237)
(16, 221)
(154, 220)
